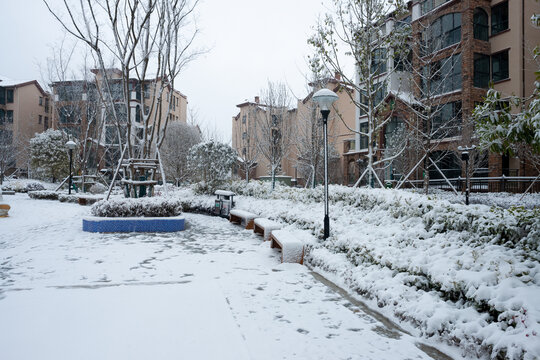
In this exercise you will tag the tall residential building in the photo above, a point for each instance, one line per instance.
(24, 111)
(459, 48)
(80, 111)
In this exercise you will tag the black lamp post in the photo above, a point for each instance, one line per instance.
(71, 146)
(325, 98)
(465, 157)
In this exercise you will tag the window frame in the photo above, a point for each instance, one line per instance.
(480, 30)
(10, 99)
(506, 71)
(498, 22)
(481, 78)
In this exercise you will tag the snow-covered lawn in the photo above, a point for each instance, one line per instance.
(214, 291)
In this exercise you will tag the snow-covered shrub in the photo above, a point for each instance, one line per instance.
(68, 198)
(43, 195)
(49, 155)
(97, 188)
(211, 164)
(33, 186)
(142, 207)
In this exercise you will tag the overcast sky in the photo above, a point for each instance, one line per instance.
(251, 42)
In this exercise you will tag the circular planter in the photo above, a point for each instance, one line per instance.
(133, 224)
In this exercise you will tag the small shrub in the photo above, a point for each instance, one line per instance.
(142, 207)
(34, 186)
(97, 188)
(43, 195)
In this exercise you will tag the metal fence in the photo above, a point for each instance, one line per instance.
(512, 184)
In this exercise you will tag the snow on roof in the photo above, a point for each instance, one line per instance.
(5, 81)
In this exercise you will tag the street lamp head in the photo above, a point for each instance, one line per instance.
(71, 145)
(325, 98)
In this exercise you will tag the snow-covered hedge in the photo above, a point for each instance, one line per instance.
(145, 207)
(97, 188)
(68, 198)
(469, 275)
(43, 195)
(23, 186)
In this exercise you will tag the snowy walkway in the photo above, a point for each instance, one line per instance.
(214, 291)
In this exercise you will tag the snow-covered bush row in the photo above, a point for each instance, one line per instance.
(68, 198)
(516, 227)
(43, 195)
(501, 199)
(147, 207)
(23, 186)
(468, 275)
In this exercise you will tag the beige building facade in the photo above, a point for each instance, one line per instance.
(24, 111)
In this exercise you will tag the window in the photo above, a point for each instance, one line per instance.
(447, 121)
(244, 135)
(9, 116)
(480, 24)
(444, 31)
(499, 18)
(378, 61)
(448, 163)
(40, 118)
(402, 60)
(351, 171)
(363, 138)
(69, 115)
(243, 119)
(2, 116)
(391, 131)
(9, 95)
(428, 5)
(146, 91)
(499, 66)
(6, 136)
(138, 114)
(442, 76)
(40, 101)
(46, 124)
(481, 70)
(2, 96)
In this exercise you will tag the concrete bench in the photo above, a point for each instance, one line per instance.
(264, 227)
(292, 248)
(242, 217)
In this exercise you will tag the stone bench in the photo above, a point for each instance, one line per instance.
(242, 217)
(292, 248)
(264, 227)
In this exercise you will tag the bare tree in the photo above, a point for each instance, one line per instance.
(245, 138)
(151, 41)
(309, 129)
(359, 27)
(175, 149)
(275, 128)
(76, 104)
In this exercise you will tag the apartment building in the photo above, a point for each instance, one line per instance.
(80, 111)
(459, 48)
(254, 122)
(304, 155)
(24, 111)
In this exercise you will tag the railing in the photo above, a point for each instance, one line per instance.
(512, 184)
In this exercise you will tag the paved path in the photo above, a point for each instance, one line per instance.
(212, 289)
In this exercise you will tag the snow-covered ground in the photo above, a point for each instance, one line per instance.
(467, 275)
(214, 291)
